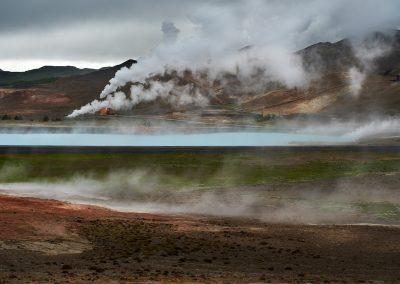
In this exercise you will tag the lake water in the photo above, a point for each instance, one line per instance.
(194, 139)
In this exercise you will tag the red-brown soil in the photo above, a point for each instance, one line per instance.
(51, 241)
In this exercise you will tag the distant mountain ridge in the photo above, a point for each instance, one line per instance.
(43, 74)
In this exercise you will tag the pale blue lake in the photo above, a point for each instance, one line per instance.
(193, 139)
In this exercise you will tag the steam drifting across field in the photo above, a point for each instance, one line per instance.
(142, 191)
(252, 40)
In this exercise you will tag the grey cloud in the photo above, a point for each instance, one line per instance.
(113, 30)
(27, 14)
(88, 30)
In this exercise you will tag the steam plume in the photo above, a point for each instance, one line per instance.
(357, 78)
(270, 30)
(366, 51)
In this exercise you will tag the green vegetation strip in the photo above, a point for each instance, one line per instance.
(199, 170)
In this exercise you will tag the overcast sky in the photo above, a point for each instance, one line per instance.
(95, 33)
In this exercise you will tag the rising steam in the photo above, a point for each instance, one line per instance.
(250, 41)
(204, 60)
(356, 82)
(199, 66)
(366, 51)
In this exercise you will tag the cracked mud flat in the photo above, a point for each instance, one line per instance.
(51, 241)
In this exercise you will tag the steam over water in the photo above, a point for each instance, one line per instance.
(125, 133)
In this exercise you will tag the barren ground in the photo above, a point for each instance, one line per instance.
(50, 241)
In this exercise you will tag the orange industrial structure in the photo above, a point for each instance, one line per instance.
(107, 111)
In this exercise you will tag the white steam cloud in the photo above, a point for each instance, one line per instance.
(246, 39)
(356, 80)
(366, 51)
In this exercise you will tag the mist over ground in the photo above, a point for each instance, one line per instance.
(217, 74)
(340, 202)
(321, 186)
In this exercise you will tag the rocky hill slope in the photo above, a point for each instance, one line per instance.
(329, 93)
